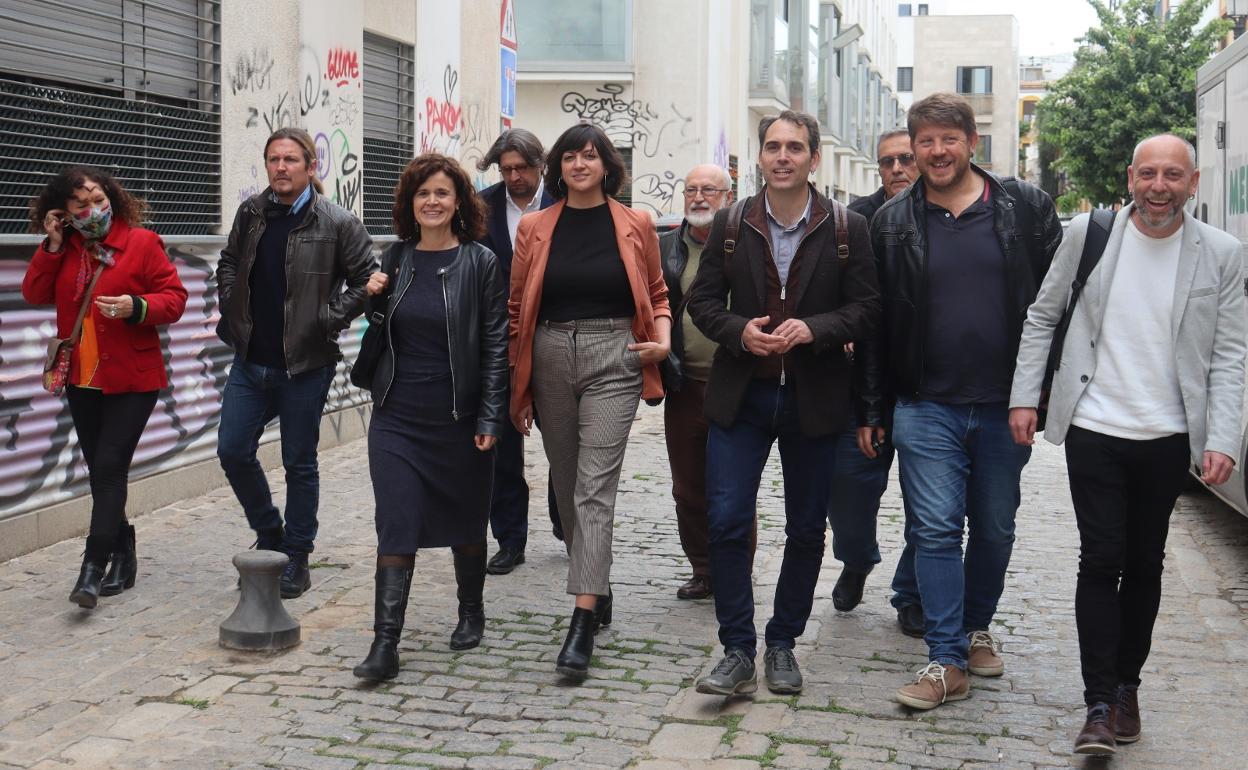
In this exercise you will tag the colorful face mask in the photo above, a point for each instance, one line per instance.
(94, 222)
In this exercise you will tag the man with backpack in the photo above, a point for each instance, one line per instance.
(785, 280)
(1147, 369)
(961, 255)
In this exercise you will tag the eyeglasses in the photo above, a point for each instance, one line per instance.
(707, 192)
(905, 159)
(514, 169)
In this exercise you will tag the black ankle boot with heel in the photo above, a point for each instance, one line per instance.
(602, 610)
(470, 580)
(86, 592)
(578, 647)
(393, 584)
(123, 567)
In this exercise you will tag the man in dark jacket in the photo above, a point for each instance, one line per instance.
(708, 188)
(961, 256)
(860, 479)
(781, 297)
(520, 159)
(280, 282)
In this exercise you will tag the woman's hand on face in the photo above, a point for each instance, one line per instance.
(484, 442)
(115, 307)
(650, 352)
(54, 226)
(377, 283)
(525, 419)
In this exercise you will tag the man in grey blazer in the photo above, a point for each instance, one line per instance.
(1151, 377)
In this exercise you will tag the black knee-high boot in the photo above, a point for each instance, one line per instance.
(470, 579)
(86, 592)
(578, 647)
(393, 584)
(124, 565)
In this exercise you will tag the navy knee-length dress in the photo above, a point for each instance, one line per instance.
(431, 484)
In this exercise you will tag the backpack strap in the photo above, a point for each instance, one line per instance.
(736, 212)
(1100, 224)
(840, 218)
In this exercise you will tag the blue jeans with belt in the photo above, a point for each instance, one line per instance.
(735, 457)
(959, 467)
(254, 395)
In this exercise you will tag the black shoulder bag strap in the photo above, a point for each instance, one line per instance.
(1100, 223)
(379, 304)
(840, 218)
(736, 212)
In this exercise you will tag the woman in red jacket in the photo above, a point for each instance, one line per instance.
(116, 367)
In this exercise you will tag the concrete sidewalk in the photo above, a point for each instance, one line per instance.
(141, 683)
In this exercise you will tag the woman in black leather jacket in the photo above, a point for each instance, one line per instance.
(439, 397)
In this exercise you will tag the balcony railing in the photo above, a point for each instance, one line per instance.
(981, 103)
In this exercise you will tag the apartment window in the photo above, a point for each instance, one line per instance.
(733, 165)
(904, 9)
(574, 34)
(625, 195)
(389, 126)
(126, 85)
(905, 79)
(983, 151)
(974, 80)
(922, 9)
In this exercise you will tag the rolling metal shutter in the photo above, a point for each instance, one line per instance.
(389, 125)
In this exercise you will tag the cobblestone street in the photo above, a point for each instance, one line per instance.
(141, 682)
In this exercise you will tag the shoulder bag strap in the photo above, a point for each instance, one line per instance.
(86, 303)
(841, 220)
(1100, 223)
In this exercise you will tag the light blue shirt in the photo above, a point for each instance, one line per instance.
(300, 202)
(784, 240)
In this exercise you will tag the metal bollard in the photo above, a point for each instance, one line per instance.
(259, 622)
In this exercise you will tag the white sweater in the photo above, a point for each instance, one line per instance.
(1134, 393)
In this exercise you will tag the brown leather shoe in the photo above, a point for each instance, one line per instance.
(1126, 715)
(936, 684)
(698, 587)
(1097, 736)
(983, 659)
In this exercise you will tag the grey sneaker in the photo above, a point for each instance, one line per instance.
(781, 671)
(732, 675)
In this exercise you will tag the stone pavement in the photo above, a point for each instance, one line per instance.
(141, 683)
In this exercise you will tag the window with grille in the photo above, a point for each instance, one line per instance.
(905, 79)
(389, 126)
(130, 86)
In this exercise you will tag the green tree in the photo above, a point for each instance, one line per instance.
(1134, 76)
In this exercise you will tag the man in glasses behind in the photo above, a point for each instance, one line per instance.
(861, 475)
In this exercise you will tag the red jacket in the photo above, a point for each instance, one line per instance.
(130, 356)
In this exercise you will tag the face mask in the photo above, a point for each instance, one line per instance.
(93, 223)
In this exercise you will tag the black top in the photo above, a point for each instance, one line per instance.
(585, 277)
(967, 359)
(268, 287)
(418, 326)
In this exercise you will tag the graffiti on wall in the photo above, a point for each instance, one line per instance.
(266, 105)
(42, 462)
(330, 103)
(440, 118)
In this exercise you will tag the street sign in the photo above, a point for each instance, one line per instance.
(507, 57)
(508, 36)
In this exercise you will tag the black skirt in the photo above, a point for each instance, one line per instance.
(431, 484)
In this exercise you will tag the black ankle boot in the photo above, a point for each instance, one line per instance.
(602, 610)
(86, 591)
(392, 587)
(124, 564)
(578, 647)
(470, 578)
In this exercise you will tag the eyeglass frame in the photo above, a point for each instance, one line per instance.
(906, 159)
(707, 192)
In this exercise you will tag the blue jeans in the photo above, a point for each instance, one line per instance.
(254, 395)
(858, 483)
(959, 466)
(735, 458)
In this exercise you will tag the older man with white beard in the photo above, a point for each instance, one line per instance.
(708, 188)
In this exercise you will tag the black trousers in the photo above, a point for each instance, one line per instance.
(509, 507)
(1124, 492)
(109, 428)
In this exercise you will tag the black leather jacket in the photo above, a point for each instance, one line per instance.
(476, 324)
(891, 362)
(674, 255)
(328, 249)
